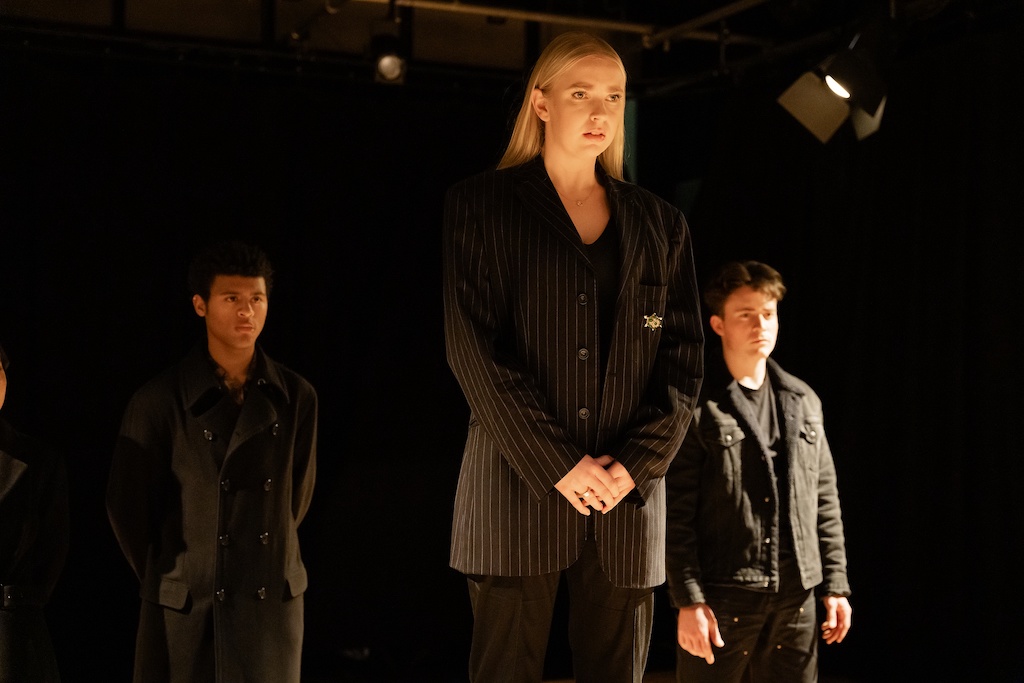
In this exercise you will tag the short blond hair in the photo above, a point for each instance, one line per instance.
(561, 54)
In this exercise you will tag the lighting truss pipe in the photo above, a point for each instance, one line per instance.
(644, 30)
(521, 15)
(697, 23)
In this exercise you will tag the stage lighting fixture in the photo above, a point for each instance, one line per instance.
(847, 85)
(388, 58)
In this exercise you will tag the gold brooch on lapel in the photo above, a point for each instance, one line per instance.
(652, 321)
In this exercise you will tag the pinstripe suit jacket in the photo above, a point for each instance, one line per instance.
(520, 309)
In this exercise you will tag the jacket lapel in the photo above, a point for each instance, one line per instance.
(259, 412)
(534, 189)
(629, 217)
(11, 470)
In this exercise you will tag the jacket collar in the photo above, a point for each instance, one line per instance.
(534, 188)
(198, 377)
(789, 393)
(11, 466)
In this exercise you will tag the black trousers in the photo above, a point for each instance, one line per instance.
(769, 637)
(609, 626)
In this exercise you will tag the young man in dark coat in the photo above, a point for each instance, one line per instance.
(754, 530)
(212, 475)
(33, 545)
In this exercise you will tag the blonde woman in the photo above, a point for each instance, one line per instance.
(573, 327)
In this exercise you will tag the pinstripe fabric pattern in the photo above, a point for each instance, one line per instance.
(520, 304)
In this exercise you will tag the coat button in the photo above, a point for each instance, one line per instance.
(224, 540)
(220, 595)
(265, 537)
(583, 354)
(208, 435)
(728, 438)
(582, 299)
(261, 382)
(584, 413)
(225, 485)
(767, 540)
(261, 593)
(268, 484)
(275, 429)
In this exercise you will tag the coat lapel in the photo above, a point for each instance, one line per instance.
(629, 217)
(538, 195)
(259, 412)
(11, 470)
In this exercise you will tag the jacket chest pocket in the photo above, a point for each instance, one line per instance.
(725, 440)
(811, 438)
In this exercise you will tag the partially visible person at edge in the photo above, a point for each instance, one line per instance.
(212, 474)
(573, 327)
(754, 523)
(33, 546)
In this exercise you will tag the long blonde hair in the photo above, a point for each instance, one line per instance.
(528, 133)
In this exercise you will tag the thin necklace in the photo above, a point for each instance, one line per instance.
(578, 202)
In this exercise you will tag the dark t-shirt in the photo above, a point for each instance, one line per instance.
(603, 255)
(764, 403)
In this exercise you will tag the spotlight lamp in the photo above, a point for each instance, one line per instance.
(389, 43)
(847, 85)
(388, 58)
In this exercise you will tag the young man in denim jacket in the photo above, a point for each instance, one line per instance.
(754, 531)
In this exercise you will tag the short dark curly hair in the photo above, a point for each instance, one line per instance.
(735, 274)
(228, 258)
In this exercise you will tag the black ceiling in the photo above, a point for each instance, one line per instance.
(667, 44)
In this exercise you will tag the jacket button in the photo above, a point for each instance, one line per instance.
(767, 540)
(583, 354)
(584, 413)
(220, 595)
(225, 485)
(767, 499)
(224, 540)
(261, 593)
(728, 438)
(268, 484)
(261, 382)
(265, 537)
(582, 299)
(813, 433)
(275, 429)
(208, 435)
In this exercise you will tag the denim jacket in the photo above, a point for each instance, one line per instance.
(723, 501)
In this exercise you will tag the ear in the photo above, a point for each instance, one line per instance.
(718, 325)
(199, 305)
(540, 104)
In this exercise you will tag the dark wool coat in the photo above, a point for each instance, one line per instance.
(215, 548)
(523, 339)
(33, 546)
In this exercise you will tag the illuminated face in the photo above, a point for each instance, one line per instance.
(749, 324)
(234, 313)
(583, 109)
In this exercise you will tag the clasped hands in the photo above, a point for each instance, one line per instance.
(598, 483)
